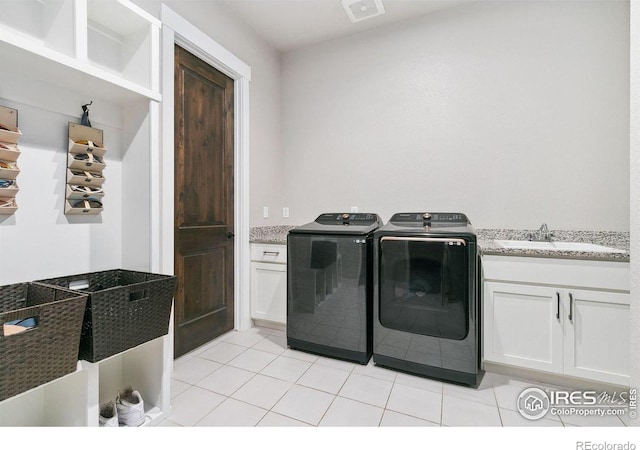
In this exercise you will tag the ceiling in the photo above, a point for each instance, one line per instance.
(291, 24)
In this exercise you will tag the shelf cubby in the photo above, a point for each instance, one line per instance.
(139, 368)
(50, 404)
(120, 38)
(47, 22)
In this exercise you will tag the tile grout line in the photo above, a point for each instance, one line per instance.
(495, 396)
(384, 409)
(327, 410)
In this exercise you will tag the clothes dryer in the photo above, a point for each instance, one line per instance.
(427, 296)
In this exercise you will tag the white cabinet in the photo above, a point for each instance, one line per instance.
(269, 282)
(597, 335)
(579, 327)
(520, 326)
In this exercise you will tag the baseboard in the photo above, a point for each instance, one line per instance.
(268, 324)
(550, 378)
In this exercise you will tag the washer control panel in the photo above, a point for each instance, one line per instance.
(347, 218)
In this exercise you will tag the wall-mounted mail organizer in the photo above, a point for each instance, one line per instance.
(85, 163)
(9, 153)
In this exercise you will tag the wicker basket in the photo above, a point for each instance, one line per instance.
(47, 351)
(125, 309)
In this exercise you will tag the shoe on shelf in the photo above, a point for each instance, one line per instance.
(108, 415)
(130, 408)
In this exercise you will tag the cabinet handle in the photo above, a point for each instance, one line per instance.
(265, 253)
(571, 307)
(558, 305)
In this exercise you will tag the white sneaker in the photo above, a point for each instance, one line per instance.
(108, 415)
(130, 408)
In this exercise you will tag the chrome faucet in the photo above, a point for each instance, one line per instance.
(542, 234)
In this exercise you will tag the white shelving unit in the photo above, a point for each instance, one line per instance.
(55, 52)
(101, 48)
(73, 400)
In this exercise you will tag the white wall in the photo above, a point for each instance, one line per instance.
(136, 187)
(218, 21)
(39, 240)
(515, 113)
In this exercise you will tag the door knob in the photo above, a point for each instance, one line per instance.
(230, 235)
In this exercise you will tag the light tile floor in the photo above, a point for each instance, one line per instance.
(252, 379)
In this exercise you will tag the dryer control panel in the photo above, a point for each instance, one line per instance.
(426, 217)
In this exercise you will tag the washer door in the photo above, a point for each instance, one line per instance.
(328, 290)
(424, 285)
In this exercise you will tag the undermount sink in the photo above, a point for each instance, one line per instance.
(558, 246)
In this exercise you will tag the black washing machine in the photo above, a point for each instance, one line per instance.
(427, 296)
(330, 286)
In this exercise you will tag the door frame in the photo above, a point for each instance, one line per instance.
(177, 30)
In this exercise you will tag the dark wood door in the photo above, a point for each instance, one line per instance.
(203, 202)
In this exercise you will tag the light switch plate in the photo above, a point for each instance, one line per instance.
(285, 212)
(265, 212)
(354, 209)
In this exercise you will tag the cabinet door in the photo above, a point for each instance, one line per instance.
(269, 292)
(522, 326)
(597, 336)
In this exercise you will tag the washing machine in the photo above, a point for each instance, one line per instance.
(330, 286)
(427, 295)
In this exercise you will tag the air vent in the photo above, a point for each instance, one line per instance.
(358, 10)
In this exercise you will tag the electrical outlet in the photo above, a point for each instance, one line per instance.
(265, 212)
(285, 212)
(354, 209)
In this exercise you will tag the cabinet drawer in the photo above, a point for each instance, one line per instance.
(269, 253)
(608, 275)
